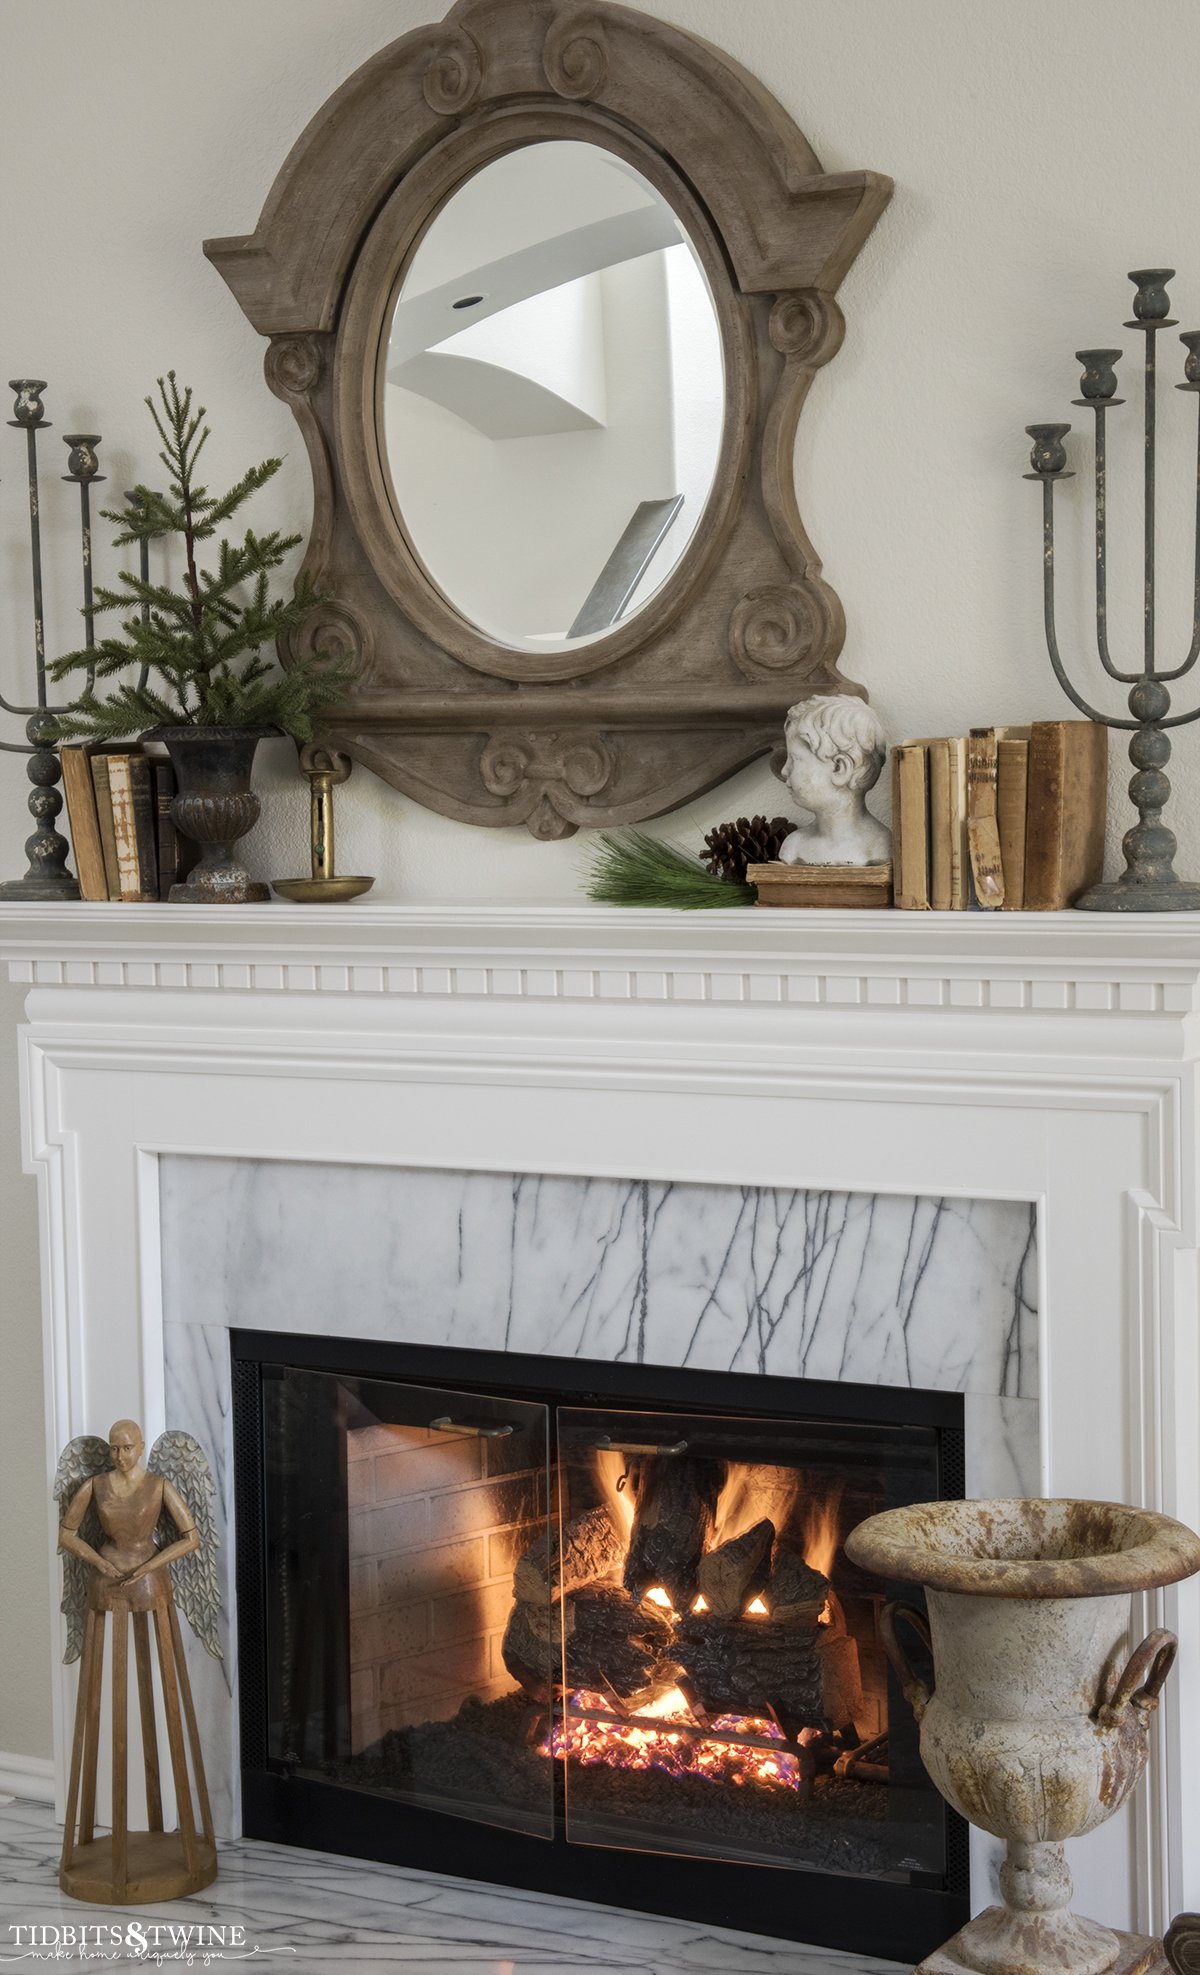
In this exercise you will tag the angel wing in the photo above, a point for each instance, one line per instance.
(80, 1459)
(184, 1463)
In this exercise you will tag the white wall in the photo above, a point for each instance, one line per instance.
(498, 521)
(1038, 152)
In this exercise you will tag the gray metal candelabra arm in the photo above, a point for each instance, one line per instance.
(48, 877)
(1149, 882)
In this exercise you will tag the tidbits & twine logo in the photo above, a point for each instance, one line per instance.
(157, 1941)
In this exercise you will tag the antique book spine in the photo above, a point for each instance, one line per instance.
(912, 874)
(120, 782)
(940, 827)
(843, 886)
(145, 823)
(983, 835)
(1012, 784)
(897, 833)
(104, 816)
(85, 822)
(163, 777)
(1065, 812)
(960, 850)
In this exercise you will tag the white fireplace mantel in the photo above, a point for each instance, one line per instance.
(1049, 1059)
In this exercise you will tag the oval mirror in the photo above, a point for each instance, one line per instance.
(553, 396)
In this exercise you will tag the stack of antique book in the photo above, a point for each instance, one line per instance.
(1004, 819)
(119, 811)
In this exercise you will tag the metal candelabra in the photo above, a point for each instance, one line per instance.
(48, 876)
(1149, 882)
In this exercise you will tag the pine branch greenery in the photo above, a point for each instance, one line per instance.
(203, 641)
(634, 868)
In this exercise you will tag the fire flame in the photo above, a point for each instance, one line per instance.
(666, 1735)
(822, 1521)
(679, 1747)
(611, 1469)
(751, 1491)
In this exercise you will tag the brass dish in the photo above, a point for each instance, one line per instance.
(320, 891)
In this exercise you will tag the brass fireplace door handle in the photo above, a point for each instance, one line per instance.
(916, 1693)
(473, 1427)
(607, 1445)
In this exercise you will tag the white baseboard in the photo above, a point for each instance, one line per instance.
(27, 1776)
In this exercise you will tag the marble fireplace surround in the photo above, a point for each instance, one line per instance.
(1041, 1063)
(877, 1290)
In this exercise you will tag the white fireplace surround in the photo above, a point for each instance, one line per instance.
(1045, 1059)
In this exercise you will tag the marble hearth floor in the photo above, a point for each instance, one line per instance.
(337, 1912)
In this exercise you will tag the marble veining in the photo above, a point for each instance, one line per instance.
(309, 1913)
(879, 1290)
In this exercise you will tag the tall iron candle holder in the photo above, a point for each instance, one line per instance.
(48, 877)
(1149, 882)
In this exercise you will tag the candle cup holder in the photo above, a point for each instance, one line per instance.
(325, 768)
(47, 879)
(1149, 882)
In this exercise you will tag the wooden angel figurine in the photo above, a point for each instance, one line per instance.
(135, 1536)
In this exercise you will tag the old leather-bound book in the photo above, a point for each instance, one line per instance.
(910, 804)
(84, 821)
(133, 825)
(1065, 813)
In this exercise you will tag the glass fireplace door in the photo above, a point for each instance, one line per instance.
(724, 1691)
(395, 1518)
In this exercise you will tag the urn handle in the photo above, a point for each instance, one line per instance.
(1143, 1679)
(916, 1693)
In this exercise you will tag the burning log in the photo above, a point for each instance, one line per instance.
(731, 1574)
(613, 1646)
(532, 1649)
(841, 1677)
(672, 1524)
(797, 1593)
(582, 1552)
(618, 1646)
(785, 1663)
(751, 1666)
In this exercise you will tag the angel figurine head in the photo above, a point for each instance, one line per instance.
(133, 1531)
(836, 751)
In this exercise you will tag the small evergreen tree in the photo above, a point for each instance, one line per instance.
(192, 638)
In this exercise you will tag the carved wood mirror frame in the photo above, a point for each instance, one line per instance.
(679, 695)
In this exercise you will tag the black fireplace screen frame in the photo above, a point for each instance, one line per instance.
(857, 1915)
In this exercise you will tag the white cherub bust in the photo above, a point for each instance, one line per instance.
(835, 752)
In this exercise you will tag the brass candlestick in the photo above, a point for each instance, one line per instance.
(325, 768)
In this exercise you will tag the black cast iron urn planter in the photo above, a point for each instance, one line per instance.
(215, 806)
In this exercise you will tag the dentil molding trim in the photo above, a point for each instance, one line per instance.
(1043, 963)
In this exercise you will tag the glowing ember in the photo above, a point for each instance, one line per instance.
(657, 1596)
(756, 1609)
(679, 1747)
(701, 1604)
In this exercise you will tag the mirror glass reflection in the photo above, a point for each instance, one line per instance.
(553, 396)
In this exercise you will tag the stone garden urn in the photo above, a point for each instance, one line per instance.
(1038, 1723)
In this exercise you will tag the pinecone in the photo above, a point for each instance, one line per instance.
(751, 840)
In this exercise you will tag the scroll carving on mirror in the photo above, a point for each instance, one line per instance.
(545, 287)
